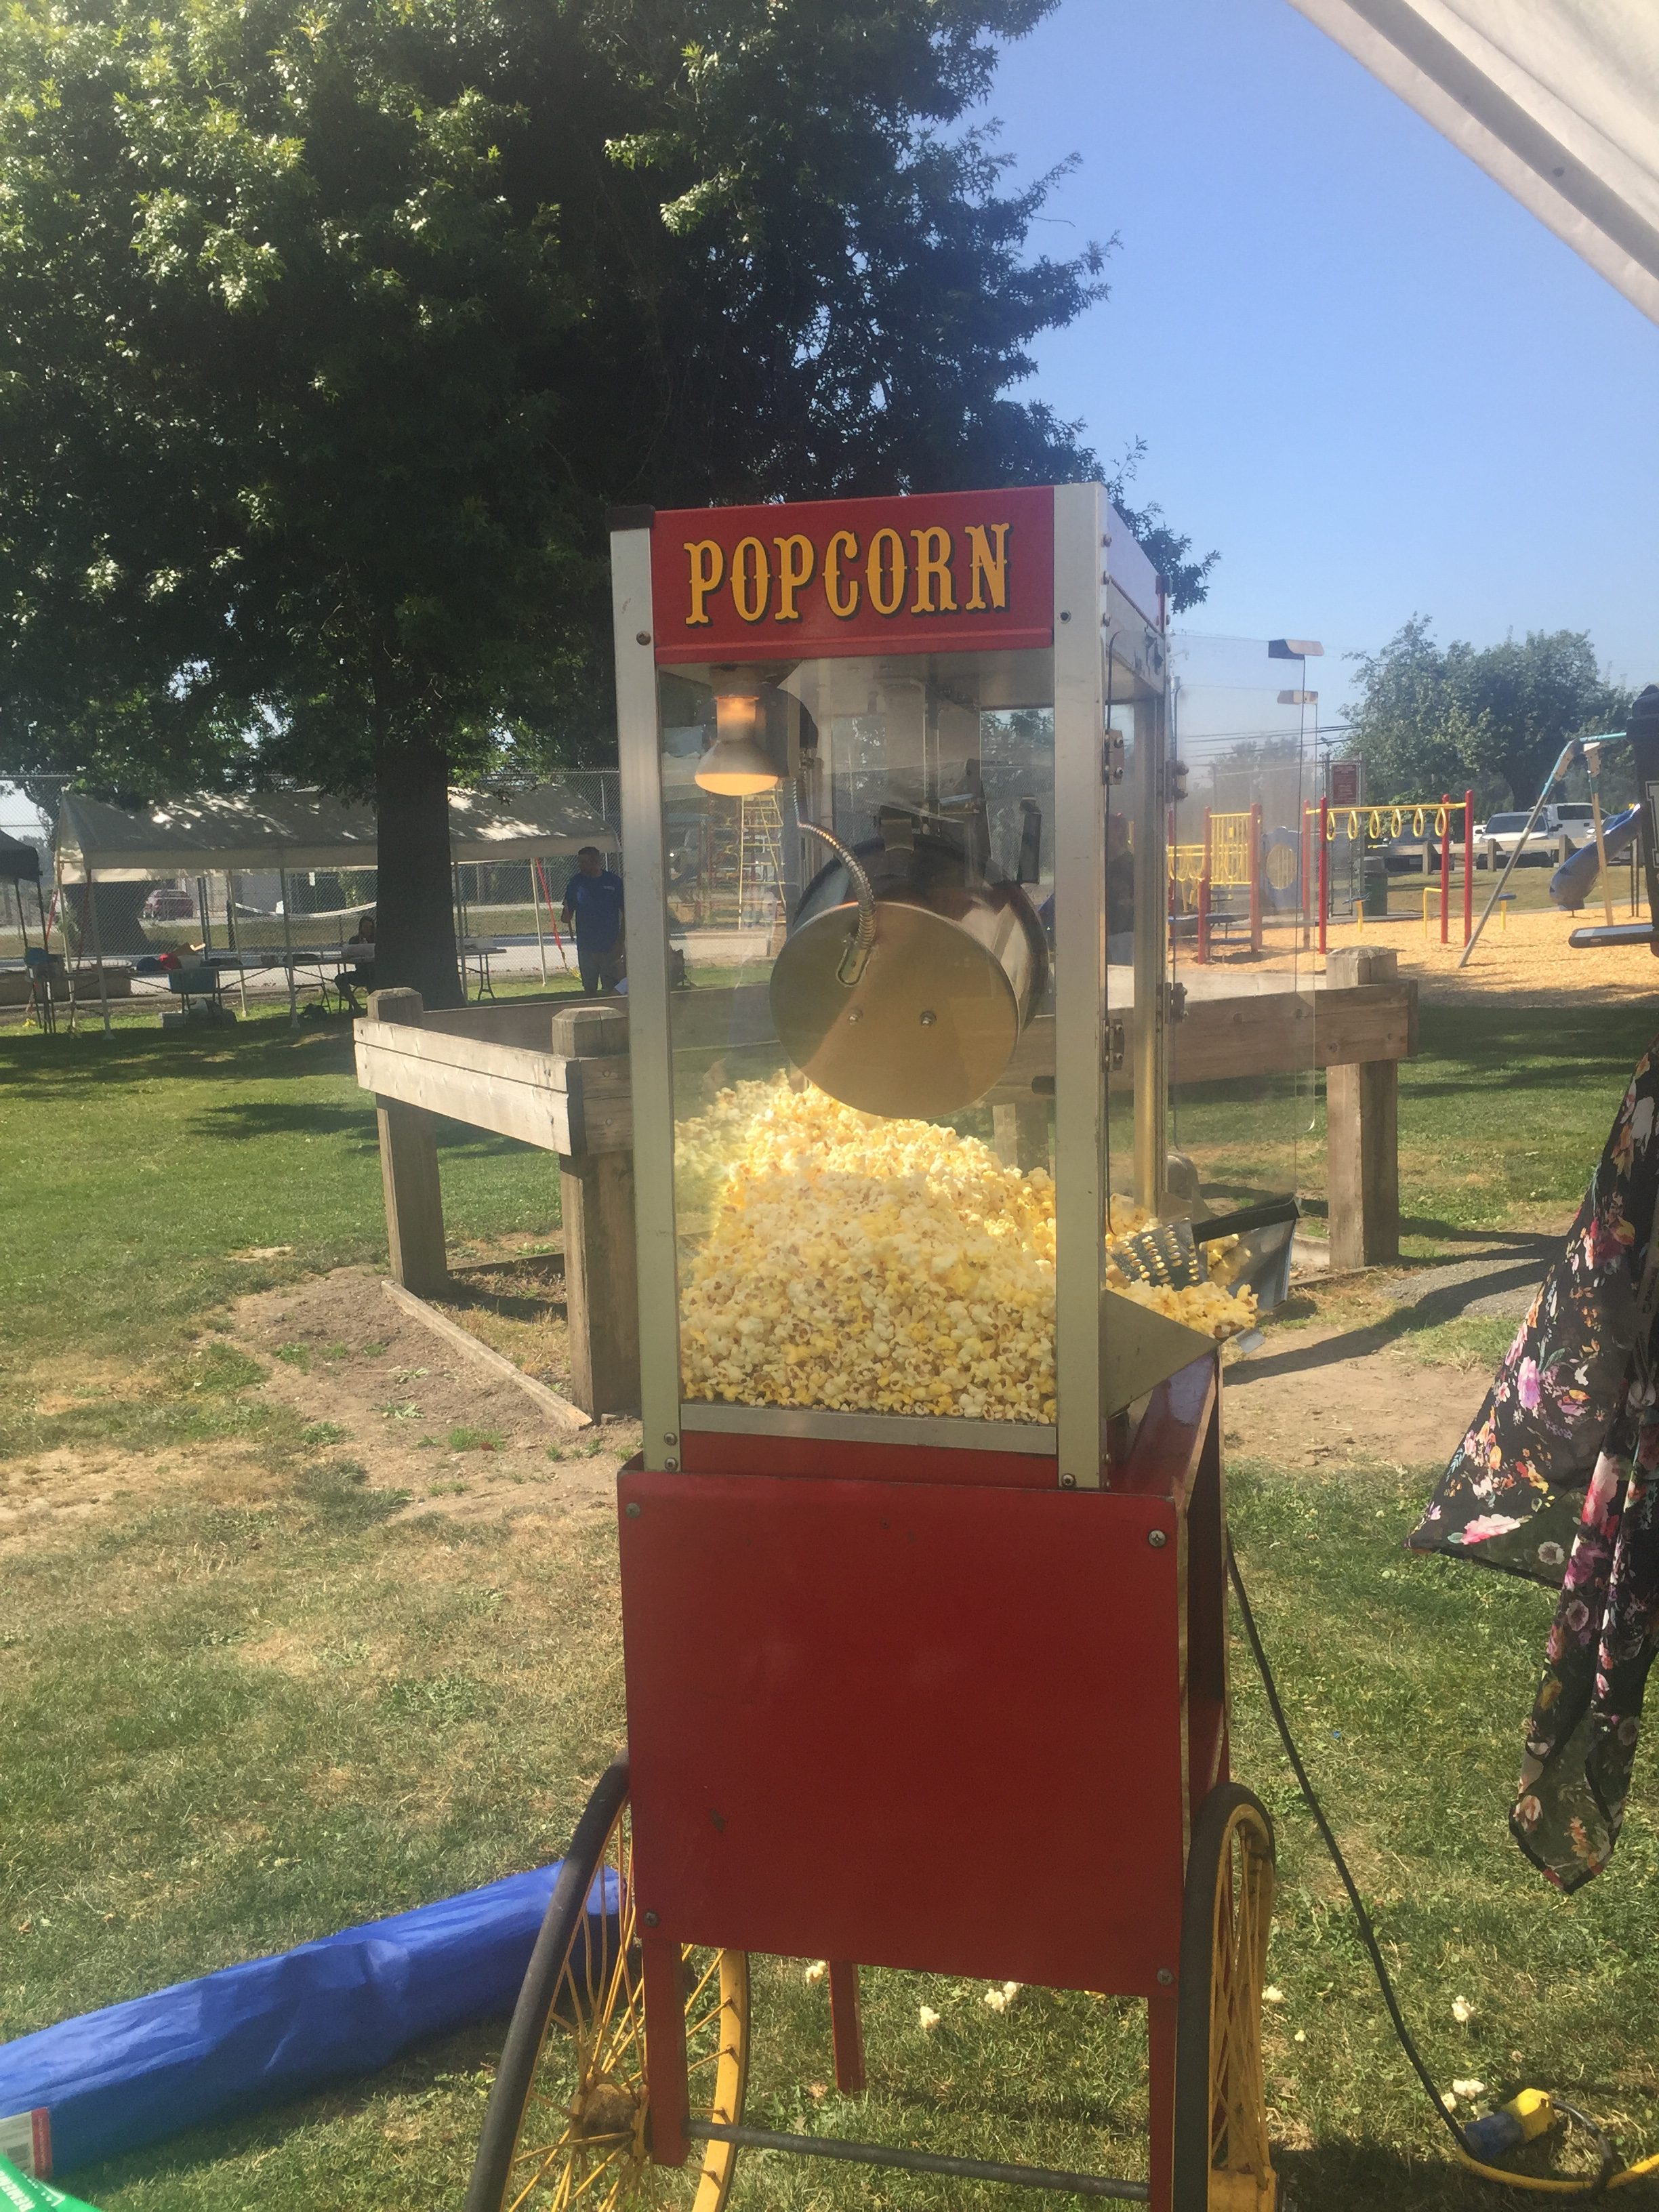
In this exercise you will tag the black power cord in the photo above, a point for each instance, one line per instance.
(1608, 2154)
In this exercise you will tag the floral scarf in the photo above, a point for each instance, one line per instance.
(1556, 1481)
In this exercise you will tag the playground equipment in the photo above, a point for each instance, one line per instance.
(1435, 820)
(970, 1714)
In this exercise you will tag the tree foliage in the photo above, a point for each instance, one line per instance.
(1431, 718)
(331, 328)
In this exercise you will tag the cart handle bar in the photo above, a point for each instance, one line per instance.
(922, 2161)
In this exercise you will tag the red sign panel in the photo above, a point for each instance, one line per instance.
(958, 572)
(1345, 783)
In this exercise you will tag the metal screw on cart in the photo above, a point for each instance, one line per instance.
(1156, 1539)
(669, 1436)
(671, 1466)
(632, 1512)
(1068, 1482)
(650, 1919)
(642, 637)
(1164, 1977)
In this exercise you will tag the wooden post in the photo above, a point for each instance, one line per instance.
(409, 1170)
(1019, 1133)
(596, 1197)
(1362, 1166)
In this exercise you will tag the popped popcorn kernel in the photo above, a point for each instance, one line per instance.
(874, 1265)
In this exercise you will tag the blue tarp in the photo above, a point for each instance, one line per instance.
(253, 2035)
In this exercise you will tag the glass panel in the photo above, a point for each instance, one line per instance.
(860, 873)
(1243, 837)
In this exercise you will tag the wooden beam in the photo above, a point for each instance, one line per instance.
(1020, 1132)
(408, 1167)
(560, 1105)
(596, 1198)
(572, 1417)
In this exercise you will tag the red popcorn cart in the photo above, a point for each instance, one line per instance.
(923, 1560)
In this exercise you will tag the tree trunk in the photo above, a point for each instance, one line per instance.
(414, 918)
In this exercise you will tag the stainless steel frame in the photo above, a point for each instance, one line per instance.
(1036, 1437)
(1079, 979)
(651, 1061)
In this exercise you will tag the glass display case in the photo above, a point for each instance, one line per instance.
(896, 791)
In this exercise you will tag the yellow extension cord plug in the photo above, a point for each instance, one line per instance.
(1524, 2117)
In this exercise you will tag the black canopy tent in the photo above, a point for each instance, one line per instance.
(20, 864)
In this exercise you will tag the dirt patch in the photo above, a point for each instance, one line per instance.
(68, 1485)
(417, 1415)
(1298, 1407)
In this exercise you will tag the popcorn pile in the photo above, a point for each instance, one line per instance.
(874, 1265)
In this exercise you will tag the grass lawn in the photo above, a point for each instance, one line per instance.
(246, 1703)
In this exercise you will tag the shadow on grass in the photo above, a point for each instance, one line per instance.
(264, 1049)
(1358, 2176)
(1446, 1302)
(275, 1117)
(454, 2063)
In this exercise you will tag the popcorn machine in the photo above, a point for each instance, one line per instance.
(923, 1322)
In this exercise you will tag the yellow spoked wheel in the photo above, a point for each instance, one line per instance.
(1221, 2155)
(568, 2123)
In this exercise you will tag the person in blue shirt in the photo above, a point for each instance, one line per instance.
(593, 907)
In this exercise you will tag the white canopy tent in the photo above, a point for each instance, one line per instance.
(292, 835)
(1557, 99)
(295, 830)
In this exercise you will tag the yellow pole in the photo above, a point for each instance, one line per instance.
(1427, 896)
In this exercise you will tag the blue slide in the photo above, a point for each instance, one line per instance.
(256, 2035)
(1575, 879)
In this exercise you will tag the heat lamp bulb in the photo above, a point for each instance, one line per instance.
(736, 765)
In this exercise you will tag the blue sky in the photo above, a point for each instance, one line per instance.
(1362, 372)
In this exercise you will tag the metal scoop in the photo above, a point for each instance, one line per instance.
(1170, 1254)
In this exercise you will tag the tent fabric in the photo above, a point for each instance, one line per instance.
(18, 863)
(301, 829)
(1558, 102)
(257, 2034)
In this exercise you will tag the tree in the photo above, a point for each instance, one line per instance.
(332, 327)
(1430, 720)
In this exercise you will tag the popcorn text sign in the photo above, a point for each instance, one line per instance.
(956, 572)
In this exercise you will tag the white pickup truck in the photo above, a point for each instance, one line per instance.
(1557, 834)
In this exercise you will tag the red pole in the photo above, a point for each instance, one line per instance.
(1203, 953)
(1255, 878)
(1445, 866)
(1324, 873)
(1307, 876)
(1468, 865)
